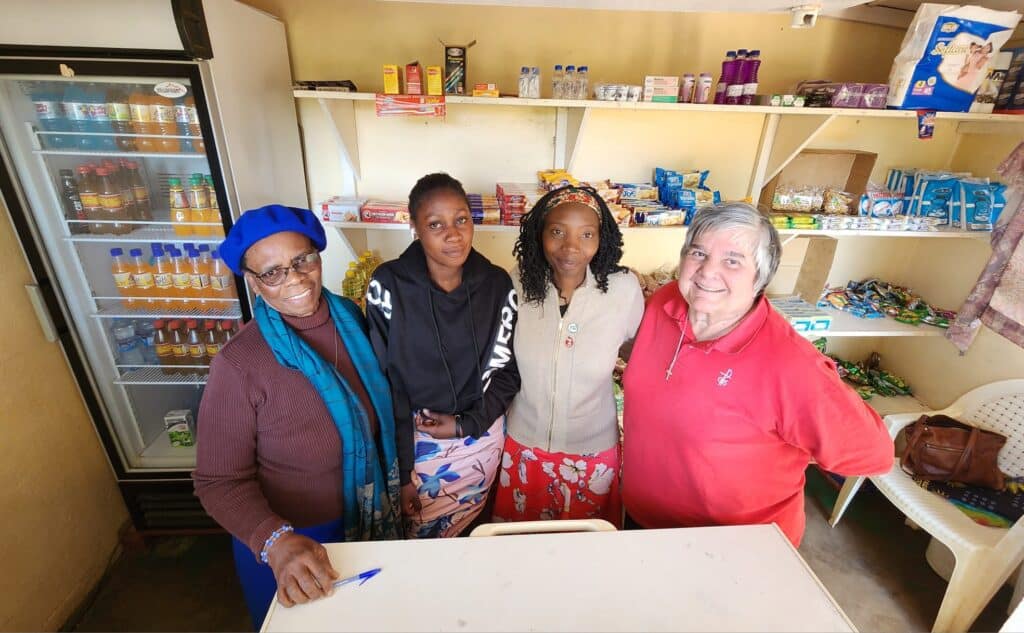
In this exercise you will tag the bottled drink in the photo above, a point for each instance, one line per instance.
(120, 176)
(89, 195)
(147, 340)
(71, 203)
(76, 109)
(198, 145)
(557, 78)
(50, 113)
(199, 278)
(524, 82)
(111, 199)
(162, 112)
(728, 73)
(569, 83)
(180, 212)
(534, 82)
(163, 282)
(179, 346)
(211, 340)
(686, 91)
(213, 213)
(582, 84)
(129, 350)
(227, 331)
(735, 88)
(120, 115)
(180, 280)
(163, 346)
(703, 90)
(142, 119)
(99, 120)
(750, 81)
(143, 283)
(122, 274)
(199, 202)
(140, 193)
(196, 347)
(222, 281)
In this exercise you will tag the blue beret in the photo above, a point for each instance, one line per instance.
(256, 224)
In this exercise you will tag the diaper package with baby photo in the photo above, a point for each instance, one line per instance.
(945, 55)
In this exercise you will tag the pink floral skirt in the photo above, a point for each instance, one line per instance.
(534, 485)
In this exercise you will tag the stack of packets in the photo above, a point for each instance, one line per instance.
(484, 208)
(869, 380)
(683, 193)
(515, 199)
(384, 211)
(875, 299)
(801, 315)
(341, 209)
(795, 221)
(948, 199)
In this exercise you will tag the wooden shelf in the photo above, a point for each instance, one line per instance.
(847, 325)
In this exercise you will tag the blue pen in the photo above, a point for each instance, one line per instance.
(360, 578)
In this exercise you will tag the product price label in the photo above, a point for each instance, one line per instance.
(143, 280)
(163, 281)
(123, 280)
(119, 112)
(180, 281)
(199, 282)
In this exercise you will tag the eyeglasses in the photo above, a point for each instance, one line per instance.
(302, 264)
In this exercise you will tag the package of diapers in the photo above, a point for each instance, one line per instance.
(945, 55)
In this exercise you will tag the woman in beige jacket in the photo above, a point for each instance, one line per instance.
(577, 306)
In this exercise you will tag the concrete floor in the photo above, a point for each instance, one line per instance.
(872, 564)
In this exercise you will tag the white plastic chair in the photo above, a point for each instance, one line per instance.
(985, 556)
(542, 527)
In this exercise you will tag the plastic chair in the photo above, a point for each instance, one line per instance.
(985, 556)
(542, 527)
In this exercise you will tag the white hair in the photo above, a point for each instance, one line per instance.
(734, 215)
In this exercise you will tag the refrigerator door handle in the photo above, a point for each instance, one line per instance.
(35, 296)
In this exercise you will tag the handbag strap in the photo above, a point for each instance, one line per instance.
(916, 433)
(966, 455)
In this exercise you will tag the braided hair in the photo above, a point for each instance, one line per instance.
(429, 184)
(534, 271)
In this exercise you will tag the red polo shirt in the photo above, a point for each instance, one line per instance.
(725, 439)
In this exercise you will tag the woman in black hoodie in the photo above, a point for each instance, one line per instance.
(441, 321)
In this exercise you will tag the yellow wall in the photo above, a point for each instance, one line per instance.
(61, 507)
(351, 39)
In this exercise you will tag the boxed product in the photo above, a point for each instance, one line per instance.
(661, 89)
(392, 80)
(803, 316)
(485, 90)
(1011, 93)
(180, 427)
(341, 209)
(435, 78)
(455, 68)
(413, 79)
(825, 94)
(995, 74)
(943, 58)
(383, 211)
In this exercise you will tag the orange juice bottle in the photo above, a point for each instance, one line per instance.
(142, 119)
(222, 281)
(199, 201)
(162, 113)
(163, 346)
(211, 339)
(143, 284)
(179, 346)
(199, 279)
(163, 282)
(213, 213)
(180, 280)
(180, 212)
(196, 347)
(122, 274)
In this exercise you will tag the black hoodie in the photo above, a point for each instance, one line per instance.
(450, 352)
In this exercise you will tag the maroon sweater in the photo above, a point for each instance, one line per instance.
(268, 451)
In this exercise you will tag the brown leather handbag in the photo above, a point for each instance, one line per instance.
(940, 448)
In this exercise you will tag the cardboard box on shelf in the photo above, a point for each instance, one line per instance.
(455, 68)
(392, 80)
(435, 77)
(341, 209)
(848, 170)
(413, 79)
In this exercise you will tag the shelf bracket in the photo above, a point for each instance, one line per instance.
(343, 115)
(569, 126)
(792, 135)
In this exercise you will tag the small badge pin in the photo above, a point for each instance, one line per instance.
(573, 328)
(569, 342)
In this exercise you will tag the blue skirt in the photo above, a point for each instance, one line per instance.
(258, 584)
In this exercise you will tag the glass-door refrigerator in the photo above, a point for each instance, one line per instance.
(117, 173)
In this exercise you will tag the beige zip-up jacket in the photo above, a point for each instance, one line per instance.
(566, 402)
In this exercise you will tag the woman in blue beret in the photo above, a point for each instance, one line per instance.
(296, 439)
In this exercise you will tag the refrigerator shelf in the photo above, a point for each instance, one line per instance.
(108, 308)
(153, 232)
(153, 376)
(159, 366)
(69, 152)
(118, 135)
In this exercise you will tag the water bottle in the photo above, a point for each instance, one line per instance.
(582, 89)
(50, 113)
(99, 119)
(556, 82)
(535, 83)
(147, 336)
(524, 82)
(129, 348)
(569, 83)
(76, 109)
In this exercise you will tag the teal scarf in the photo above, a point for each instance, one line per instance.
(371, 498)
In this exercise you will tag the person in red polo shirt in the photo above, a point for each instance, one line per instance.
(725, 404)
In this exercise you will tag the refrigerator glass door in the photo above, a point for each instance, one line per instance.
(116, 179)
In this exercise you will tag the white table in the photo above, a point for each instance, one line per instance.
(740, 578)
